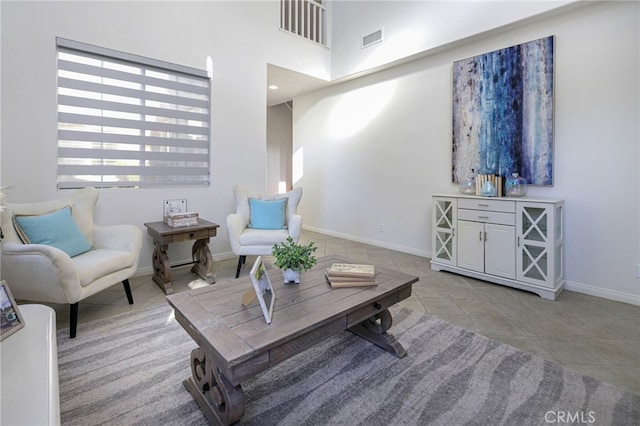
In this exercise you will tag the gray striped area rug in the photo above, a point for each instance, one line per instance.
(128, 370)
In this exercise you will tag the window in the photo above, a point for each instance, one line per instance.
(129, 121)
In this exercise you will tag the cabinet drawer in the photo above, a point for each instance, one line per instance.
(194, 235)
(368, 311)
(487, 217)
(489, 205)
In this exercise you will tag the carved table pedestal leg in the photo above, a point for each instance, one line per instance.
(375, 329)
(204, 262)
(162, 267)
(221, 402)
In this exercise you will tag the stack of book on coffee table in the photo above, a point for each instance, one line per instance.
(351, 275)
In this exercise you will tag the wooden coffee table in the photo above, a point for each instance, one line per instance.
(235, 343)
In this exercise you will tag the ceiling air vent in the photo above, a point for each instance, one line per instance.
(373, 38)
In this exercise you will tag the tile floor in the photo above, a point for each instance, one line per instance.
(591, 335)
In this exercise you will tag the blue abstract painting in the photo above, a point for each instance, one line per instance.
(503, 113)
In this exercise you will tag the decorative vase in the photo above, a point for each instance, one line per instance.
(516, 186)
(488, 190)
(468, 186)
(291, 276)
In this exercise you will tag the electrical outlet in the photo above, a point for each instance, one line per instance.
(638, 270)
(381, 227)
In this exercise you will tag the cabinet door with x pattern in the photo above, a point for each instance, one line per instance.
(444, 219)
(539, 243)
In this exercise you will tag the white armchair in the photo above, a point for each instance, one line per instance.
(247, 239)
(44, 273)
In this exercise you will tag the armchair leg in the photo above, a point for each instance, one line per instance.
(73, 310)
(241, 261)
(127, 289)
(73, 319)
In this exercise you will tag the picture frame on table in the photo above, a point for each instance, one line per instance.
(263, 289)
(10, 318)
(173, 207)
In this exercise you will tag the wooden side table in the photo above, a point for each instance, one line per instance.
(163, 235)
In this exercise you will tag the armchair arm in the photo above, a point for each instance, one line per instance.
(235, 225)
(40, 273)
(295, 226)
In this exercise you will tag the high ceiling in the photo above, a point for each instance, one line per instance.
(290, 84)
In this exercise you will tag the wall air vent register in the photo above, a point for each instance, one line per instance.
(373, 38)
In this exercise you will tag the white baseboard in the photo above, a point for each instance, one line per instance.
(383, 244)
(605, 293)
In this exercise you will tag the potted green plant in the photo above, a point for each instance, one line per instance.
(294, 258)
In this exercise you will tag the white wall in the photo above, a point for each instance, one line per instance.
(412, 27)
(383, 167)
(239, 37)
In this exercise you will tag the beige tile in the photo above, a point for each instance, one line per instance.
(623, 310)
(490, 323)
(441, 307)
(535, 324)
(579, 328)
(448, 280)
(618, 352)
(571, 352)
(513, 308)
(472, 307)
(622, 328)
(413, 304)
(460, 320)
(425, 291)
(465, 293)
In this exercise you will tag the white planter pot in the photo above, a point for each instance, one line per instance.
(291, 276)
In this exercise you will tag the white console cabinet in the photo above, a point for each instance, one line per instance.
(510, 241)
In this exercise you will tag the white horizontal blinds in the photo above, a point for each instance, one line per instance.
(129, 121)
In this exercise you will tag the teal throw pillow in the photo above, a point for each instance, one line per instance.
(57, 229)
(267, 214)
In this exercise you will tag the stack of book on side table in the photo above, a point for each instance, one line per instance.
(351, 275)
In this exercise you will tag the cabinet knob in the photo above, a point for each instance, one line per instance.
(377, 305)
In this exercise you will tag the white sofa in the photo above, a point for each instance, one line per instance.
(29, 392)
